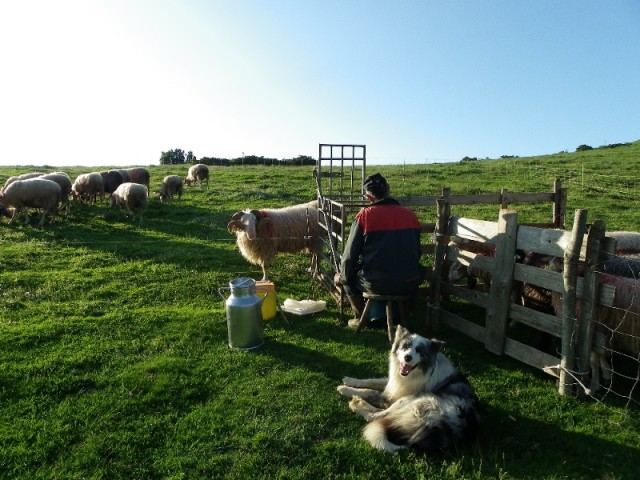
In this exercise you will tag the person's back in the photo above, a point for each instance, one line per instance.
(390, 252)
(382, 253)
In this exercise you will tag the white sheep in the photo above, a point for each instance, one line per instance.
(262, 234)
(171, 185)
(62, 179)
(132, 196)
(88, 186)
(31, 193)
(198, 172)
(24, 176)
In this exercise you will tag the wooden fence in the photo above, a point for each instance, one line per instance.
(501, 302)
(338, 210)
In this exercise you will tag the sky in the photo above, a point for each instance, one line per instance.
(117, 82)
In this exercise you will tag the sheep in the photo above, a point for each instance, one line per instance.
(138, 175)
(132, 196)
(31, 193)
(198, 172)
(457, 271)
(62, 179)
(125, 175)
(262, 234)
(4, 212)
(112, 180)
(620, 324)
(88, 186)
(171, 185)
(626, 242)
(24, 176)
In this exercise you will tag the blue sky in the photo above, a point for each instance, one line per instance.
(116, 82)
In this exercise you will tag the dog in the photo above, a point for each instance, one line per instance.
(425, 402)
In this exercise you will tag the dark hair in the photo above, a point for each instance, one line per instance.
(376, 185)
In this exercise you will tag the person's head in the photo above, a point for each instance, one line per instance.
(376, 187)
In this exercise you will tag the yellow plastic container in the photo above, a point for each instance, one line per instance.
(267, 290)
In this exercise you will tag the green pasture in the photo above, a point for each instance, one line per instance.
(114, 360)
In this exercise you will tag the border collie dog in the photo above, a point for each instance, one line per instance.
(425, 403)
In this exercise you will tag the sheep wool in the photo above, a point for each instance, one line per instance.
(31, 193)
(132, 196)
(262, 234)
(171, 185)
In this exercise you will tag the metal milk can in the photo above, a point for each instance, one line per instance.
(244, 314)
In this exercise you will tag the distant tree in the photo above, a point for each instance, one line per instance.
(191, 158)
(172, 157)
(582, 148)
(469, 159)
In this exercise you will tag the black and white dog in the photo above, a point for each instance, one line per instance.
(425, 403)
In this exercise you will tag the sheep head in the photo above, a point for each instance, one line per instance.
(245, 222)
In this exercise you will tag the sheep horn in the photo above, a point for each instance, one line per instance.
(237, 216)
(235, 226)
(257, 214)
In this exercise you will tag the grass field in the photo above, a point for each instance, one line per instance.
(114, 360)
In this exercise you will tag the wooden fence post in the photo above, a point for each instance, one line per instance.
(589, 300)
(433, 308)
(569, 278)
(559, 204)
(501, 282)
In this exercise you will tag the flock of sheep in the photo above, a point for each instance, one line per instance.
(51, 193)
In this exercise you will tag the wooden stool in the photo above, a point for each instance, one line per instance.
(389, 299)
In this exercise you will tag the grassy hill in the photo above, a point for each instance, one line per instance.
(114, 360)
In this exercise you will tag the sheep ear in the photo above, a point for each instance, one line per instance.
(237, 216)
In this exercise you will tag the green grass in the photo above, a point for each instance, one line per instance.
(114, 360)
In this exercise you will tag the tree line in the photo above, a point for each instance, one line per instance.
(177, 156)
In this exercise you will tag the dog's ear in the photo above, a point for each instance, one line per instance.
(401, 331)
(436, 345)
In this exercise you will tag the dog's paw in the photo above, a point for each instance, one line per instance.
(356, 404)
(344, 390)
(351, 382)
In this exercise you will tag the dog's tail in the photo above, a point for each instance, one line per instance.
(376, 434)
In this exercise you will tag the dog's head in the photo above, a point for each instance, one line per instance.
(411, 351)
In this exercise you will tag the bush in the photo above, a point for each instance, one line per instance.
(583, 148)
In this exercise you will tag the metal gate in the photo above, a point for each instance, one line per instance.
(339, 175)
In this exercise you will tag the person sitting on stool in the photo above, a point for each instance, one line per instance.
(382, 253)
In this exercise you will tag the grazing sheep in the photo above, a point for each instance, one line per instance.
(138, 175)
(24, 176)
(87, 187)
(4, 212)
(198, 172)
(171, 185)
(31, 193)
(112, 180)
(132, 196)
(262, 234)
(64, 181)
(125, 175)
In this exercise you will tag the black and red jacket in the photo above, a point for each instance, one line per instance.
(382, 253)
